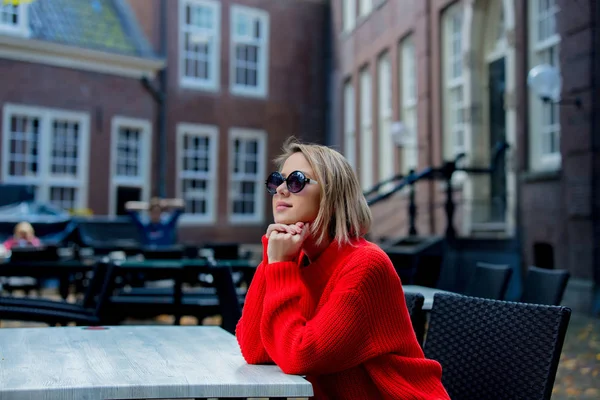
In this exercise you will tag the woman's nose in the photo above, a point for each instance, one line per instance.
(282, 189)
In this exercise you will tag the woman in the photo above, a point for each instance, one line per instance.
(324, 302)
(24, 236)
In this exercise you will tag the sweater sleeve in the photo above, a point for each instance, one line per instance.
(248, 328)
(336, 338)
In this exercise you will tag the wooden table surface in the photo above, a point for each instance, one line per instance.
(134, 362)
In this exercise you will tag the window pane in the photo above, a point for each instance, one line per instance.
(23, 146)
(196, 175)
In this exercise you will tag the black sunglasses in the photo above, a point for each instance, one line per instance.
(295, 182)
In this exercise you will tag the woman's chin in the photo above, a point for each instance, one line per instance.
(280, 219)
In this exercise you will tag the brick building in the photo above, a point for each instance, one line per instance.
(79, 124)
(71, 99)
(454, 74)
(243, 75)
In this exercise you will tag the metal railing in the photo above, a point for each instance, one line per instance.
(445, 173)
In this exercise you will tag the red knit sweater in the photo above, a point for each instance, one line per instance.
(342, 321)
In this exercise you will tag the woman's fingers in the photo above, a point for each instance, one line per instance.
(283, 228)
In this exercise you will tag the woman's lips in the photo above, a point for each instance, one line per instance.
(282, 206)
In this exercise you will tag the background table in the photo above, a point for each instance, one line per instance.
(427, 292)
(134, 362)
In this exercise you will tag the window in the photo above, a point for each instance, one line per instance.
(197, 149)
(249, 51)
(349, 124)
(364, 7)
(453, 101)
(247, 154)
(348, 15)
(366, 130)
(408, 104)
(14, 19)
(544, 120)
(199, 22)
(386, 144)
(48, 149)
(131, 161)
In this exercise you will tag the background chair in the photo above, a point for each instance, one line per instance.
(414, 303)
(492, 349)
(544, 286)
(489, 281)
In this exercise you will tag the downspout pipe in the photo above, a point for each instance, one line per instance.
(160, 97)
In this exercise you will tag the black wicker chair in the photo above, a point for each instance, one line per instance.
(545, 286)
(414, 303)
(492, 349)
(489, 281)
(89, 312)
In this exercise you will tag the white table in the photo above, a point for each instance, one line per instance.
(427, 292)
(134, 362)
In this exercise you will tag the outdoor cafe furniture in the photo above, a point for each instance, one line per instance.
(491, 349)
(489, 281)
(89, 311)
(135, 362)
(224, 300)
(427, 293)
(544, 286)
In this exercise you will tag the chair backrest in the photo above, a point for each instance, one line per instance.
(489, 281)
(414, 304)
(491, 349)
(105, 284)
(544, 286)
(163, 253)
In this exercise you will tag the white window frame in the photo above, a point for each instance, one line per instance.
(385, 111)
(538, 54)
(212, 133)
(350, 124)
(348, 15)
(366, 128)
(262, 77)
(453, 82)
(213, 37)
(259, 211)
(364, 7)
(409, 99)
(22, 26)
(44, 180)
(142, 182)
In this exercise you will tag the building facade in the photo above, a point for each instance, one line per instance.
(79, 123)
(448, 77)
(242, 77)
(73, 110)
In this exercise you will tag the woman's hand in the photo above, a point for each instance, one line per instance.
(285, 245)
(293, 229)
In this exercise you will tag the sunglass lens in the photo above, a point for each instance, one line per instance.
(273, 182)
(295, 182)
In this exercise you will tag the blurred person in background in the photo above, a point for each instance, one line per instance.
(159, 227)
(24, 236)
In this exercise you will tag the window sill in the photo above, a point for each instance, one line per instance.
(540, 176)
(254, 94)
(190, 84)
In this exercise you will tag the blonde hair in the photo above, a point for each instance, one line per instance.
(343, 213)
(24, 227)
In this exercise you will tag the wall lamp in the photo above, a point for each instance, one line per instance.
(546, 82)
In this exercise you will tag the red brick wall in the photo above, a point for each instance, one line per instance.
(295, 104)
(100, 95)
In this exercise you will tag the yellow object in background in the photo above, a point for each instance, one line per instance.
(16, 2)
